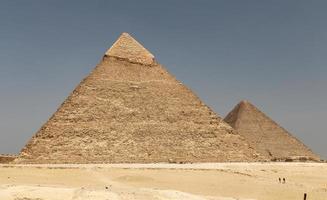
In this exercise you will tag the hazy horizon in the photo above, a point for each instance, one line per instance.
(270, 53)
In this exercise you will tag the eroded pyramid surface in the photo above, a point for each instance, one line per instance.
(268, 138)
(133, 111)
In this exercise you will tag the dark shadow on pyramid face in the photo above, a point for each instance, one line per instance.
(131, 110)
(265, 135)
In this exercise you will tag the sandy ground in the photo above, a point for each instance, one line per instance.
(213, 181)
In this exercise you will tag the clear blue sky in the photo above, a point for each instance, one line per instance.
(273, 53)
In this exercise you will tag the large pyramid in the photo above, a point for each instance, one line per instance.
(131, 110)
(268, 138)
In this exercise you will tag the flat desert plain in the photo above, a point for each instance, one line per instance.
(220, 181)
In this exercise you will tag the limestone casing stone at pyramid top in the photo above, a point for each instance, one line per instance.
(126, 47)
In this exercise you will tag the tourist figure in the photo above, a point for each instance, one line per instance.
(280, 180)
(284, 180)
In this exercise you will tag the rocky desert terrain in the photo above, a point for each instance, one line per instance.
(213, 181)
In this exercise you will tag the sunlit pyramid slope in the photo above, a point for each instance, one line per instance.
(268, 138)
(131, 110)
(128, 48)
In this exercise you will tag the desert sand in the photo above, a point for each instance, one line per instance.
(220, 181)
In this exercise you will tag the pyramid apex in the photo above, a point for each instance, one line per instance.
(125, 34)
(244, 102)
(233, 116)
(126, 47)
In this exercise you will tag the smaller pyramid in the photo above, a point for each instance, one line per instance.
(265, 135)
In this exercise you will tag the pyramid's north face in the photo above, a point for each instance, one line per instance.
(131, 110)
